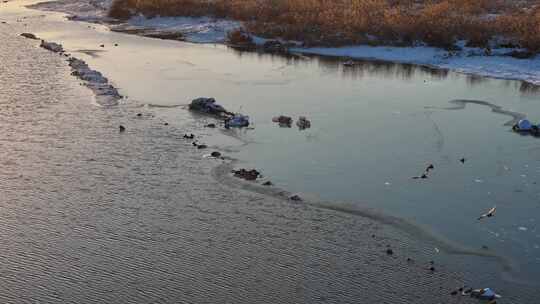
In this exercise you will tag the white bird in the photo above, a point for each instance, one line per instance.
(490, 213)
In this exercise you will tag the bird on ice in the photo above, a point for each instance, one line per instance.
(490, 213)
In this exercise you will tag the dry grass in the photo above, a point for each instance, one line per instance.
(340, 22)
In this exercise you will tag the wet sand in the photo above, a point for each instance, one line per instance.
(93, 216)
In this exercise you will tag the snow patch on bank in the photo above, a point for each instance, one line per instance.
(468, 60)
(197, 30)
(80, 10)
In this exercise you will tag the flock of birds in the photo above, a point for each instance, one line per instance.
(430, 167)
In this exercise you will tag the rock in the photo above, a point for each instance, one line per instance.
(208, 106)
(432, 269)
(51, 46)
(268, 183)
(190, 136)
(202, 147)
(122, 128)
(249, 175)
(303, 123)
(237, 121)
(116, 44)
(215, 154)
(29, 36)
(453, 293)
(241, 40)
(211, 125)
(102, 45)
(166, 124)
(139, 114)
(274, 46)
(389, 251)
(295, 198)
(283, 121)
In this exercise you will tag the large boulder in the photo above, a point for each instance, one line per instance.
(208, 106)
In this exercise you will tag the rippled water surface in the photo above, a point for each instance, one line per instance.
(92, 215)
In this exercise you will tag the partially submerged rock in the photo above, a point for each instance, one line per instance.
(283, 121)
(274, 46)
(99, 84)
(295, 198)
(525, 127)
(29, 36)
(208, 106)
(303, 123)
(249, 175)
(52, 46)
(237, 121)
(241, 40)
(107, 95)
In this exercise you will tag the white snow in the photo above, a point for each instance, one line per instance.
(469, 60)
(210, 30)
(197, 30)
(81, 10)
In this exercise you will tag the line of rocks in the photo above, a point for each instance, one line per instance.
(106, 94)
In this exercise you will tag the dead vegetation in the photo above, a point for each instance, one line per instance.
(340, 22)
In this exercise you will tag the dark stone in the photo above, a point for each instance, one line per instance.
(295, 198)
(122, 128)
(102, 45)
(432, 269)
(202, 146)
(274, 46)
(249, 175)
(211, 125)
(166, 124)
(209, 106)
(139, 114)
(268, 183)
(389, 251)
(215, 154)
(190, 136)
(29, 36)
(453, 293)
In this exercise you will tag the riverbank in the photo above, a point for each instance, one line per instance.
(94, 215)
(499, 63)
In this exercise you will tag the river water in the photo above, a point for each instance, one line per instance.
(374, 126)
